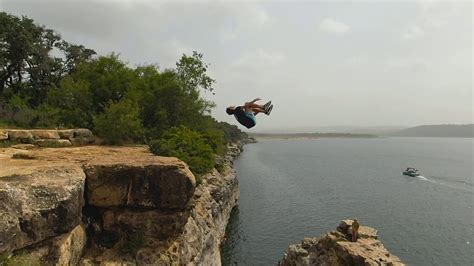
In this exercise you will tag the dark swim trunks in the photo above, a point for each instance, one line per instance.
(247, 119)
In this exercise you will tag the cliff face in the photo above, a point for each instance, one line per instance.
(211, 206)
(335, 248)
(111, 205)
(199, 242)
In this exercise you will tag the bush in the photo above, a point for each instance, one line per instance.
(19, 259)
(120, 122)
(187, 145)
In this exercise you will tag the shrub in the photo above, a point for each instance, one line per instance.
(19, 259)
(187, 145)
(120, 123)
(208, 127)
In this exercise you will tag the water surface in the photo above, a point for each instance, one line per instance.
(291, 189)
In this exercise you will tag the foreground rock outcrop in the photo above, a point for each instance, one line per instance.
(335, 248)
(97, 205)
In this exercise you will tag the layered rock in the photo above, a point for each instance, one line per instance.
(48, 137)
(36, 205)
(22, 136)
(45, 134)
(142, 183)
(335, 248)
(53, 143)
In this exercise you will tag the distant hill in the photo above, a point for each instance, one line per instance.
(453, 131)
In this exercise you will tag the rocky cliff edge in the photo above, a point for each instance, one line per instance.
(97, 205)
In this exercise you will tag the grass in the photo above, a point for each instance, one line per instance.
(20, 259)
(7, 143)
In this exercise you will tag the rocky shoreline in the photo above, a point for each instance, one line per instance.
(98, 205)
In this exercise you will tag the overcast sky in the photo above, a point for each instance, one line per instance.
(322, 63)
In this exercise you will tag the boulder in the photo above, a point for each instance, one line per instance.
(53, 143)
(143, 184)
(39, 204)
(82, 133)
(3, 135)
(81, 141)
(23, 136)
(364, 231)
(66, 133)
(45, 134)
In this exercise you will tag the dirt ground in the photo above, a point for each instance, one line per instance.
(23, 158)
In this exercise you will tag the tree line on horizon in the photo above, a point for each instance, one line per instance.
(47, 82)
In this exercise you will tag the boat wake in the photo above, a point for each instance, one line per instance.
(421, 178)
(425, 178)
(447, 183)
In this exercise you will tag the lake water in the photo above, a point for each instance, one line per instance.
(291, 189)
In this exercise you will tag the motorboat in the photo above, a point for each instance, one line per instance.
(410, 171)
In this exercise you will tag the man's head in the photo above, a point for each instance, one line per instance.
(230, 110)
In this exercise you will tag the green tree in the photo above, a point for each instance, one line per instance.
(165, 104)
(72, 103)
(27, 65)
(119, 123)
(109, 79)
(192, 73)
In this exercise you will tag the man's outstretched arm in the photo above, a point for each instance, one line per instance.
(255, 100)
(252, 103)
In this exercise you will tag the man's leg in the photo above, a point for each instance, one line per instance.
(257, 110)
(253, 105)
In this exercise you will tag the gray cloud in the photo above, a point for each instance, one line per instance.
(404, 63)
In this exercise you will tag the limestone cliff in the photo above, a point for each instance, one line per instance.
(334, 248)
(96, 205)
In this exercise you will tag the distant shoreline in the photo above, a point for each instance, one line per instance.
(310, 135)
